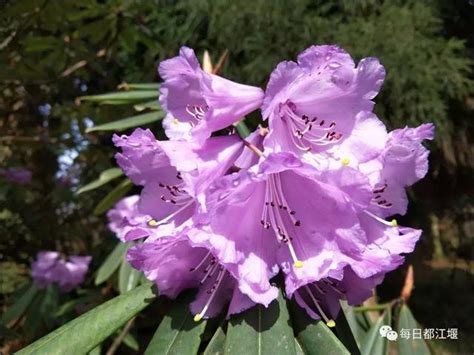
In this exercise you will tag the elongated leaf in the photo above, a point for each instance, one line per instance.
(16, 310)
(344, 333)
(111, 263)
(375, 343)
(123, 96)
(104, 178)
(84, 333)
(216, 344)
(314, 336)
(152, 105)
(242, 128)
(261, 330)
(97, 350)
(177, 332)
(128, 277)
(298, 348)
(113, 196)
(141, 86)
(130, 341)
(129, 122)
(410, 346)
(357, 321)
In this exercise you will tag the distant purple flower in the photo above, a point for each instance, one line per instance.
(174, 264)
(20, 176)
(321, 101)
(199, 103)
(49, 268)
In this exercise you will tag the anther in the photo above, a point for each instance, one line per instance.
(152, 222)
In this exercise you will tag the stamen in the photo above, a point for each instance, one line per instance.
(214, 288)
(345, 161)
(392, 223)
(329, 322)
(152, 222)
(203, 261)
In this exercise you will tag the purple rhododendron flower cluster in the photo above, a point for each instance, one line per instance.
(308, 197)
(49, 268)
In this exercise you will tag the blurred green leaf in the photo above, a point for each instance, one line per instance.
(113, 196)
(142, 86)
(16, 310)
(128, 277)
(409, 346)
(130, 341)
(217, 342)
(111, 263)
(177, 332)
(357, 321)
(152, 105)
(314, 336)
(84, 333)
(129, 122)
(261, 330)
(242, 128)
(122, 97)
(97, 350)
(104, 178)
(374, 343)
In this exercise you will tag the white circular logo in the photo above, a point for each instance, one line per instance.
(384, 329)
(392, 335)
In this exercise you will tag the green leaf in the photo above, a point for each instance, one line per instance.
(113, 196)
(344, 333)
(97, 350)
(84, 333)
(410, 346)
(177, 332)
(128, 277)
(375, 343)
(142, 86)
(16, 310)
(152, 105)
(104, 178)
(298, 348)
(122, 97)
(111, 263)
(314, 336)
(129, 122)
(261, 330)
(357, 321)
(130, 341)
(217, 342)
(242, 129)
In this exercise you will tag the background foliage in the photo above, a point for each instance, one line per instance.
(53, 51)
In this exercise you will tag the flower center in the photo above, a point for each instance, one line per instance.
(306, 131)
(197, 112)
(210, 269)
(276, 212)
(380, 200)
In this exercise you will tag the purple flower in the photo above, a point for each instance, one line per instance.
(175, 264)
(403, 162)
(173, 173)
(323, 101)
(127, 222)
(19, 175)
(199, 103)
(309, 238)
(49, 268)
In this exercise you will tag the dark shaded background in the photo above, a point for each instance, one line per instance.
(53, 51)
